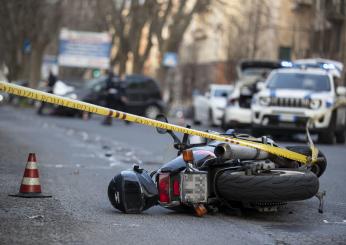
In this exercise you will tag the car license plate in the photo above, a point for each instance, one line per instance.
(287, 118)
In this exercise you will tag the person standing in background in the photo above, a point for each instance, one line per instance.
(50, 87)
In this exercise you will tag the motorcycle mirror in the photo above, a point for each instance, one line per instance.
(186, 136)
(161, 118)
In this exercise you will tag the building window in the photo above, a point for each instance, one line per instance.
(285, 53)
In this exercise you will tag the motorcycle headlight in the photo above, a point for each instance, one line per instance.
(315, 104)
(265, 101)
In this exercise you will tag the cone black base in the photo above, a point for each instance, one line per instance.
(30, 195)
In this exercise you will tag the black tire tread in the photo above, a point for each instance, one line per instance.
(340, 137)
(327, 137)
(276, 188)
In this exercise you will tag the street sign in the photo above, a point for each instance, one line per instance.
(84, 49)
(170, 59)
(26, 46)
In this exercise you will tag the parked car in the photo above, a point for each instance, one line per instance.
(210, 107)
(238, 110)
(143, 95)
(3, 96)
(291, 96)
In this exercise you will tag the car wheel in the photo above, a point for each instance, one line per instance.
(195, 121)
(224, 125)
(152, 111)
(326, 137)
(340, 137)
(211, 118)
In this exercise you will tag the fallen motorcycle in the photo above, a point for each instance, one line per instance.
(206, 176)
(237, 170)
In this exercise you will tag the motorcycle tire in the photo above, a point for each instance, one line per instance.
(277, 185)
(317, 168)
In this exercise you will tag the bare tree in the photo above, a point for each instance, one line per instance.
(248, 21)
(33, 21)
(259, 19)
(136, 23)
(126, 21)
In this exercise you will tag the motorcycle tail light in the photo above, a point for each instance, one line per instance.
(176, 187)
(164, 189)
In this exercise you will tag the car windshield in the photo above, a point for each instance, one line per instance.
(221, 93)
(312, 82)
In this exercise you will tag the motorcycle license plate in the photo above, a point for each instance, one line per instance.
(194, 187)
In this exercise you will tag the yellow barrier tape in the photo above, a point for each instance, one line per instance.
(83, 106)
(314, 150)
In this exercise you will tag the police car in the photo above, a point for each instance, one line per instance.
(290, 96)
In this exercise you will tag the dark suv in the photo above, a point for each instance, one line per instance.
(142, 93)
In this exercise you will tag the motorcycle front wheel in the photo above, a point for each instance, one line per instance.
(317, 168)
(277, 185)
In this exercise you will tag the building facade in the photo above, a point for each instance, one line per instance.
(260, 29)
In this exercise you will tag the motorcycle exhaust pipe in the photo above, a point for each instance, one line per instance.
(231, 151)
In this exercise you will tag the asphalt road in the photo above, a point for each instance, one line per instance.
(78, 158)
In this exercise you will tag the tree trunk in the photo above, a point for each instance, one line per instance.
(122, 64)
(15, 69)
(35, 66)
(256, 26)
(137, 65)
(25, 72)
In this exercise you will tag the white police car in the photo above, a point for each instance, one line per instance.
(289, 97)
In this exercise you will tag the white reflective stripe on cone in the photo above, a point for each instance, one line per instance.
(31, 181)
(31, 165)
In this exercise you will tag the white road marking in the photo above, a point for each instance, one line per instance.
(343, 222)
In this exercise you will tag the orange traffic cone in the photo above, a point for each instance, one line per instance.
(31, 186)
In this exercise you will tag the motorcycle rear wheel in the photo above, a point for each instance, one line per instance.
(277, 185)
